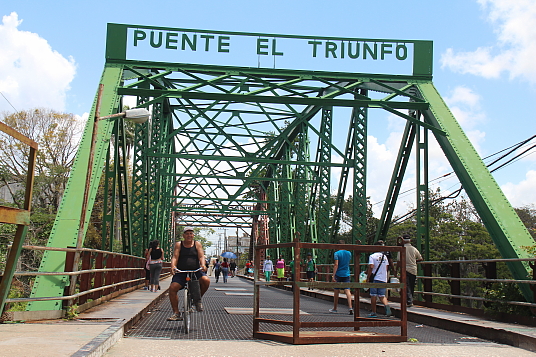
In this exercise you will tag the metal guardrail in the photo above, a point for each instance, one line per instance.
(97, 280)
(325, 271)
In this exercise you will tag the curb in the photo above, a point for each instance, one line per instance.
(109, 337)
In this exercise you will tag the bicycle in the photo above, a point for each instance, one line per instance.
(187, 304)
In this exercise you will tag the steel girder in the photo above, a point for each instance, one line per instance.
(499, 217)
(65, 229)
(116, 192)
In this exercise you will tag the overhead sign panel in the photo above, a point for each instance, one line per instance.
(357, 55)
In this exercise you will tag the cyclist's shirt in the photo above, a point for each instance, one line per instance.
(188, 258)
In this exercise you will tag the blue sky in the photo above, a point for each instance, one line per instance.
(52, 55)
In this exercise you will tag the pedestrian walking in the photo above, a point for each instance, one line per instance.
(377, 272)
(280, 268)
(217, 269)
(225, 270)
(341, 274)
(232, 268)
(251, 271)
(268, 268)
(413, 256)
(155, 256)
(310, 269)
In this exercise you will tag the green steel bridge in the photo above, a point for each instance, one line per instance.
(258, 148)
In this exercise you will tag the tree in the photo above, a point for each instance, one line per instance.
(57, 135)
(347, 218)
(200, 235)
(527, 214)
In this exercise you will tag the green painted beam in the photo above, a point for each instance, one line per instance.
(233, 97)
(65, 228)
(501, 220)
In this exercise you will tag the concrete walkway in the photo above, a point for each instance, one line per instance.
(99, 332)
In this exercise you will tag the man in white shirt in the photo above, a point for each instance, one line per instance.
(377, 272)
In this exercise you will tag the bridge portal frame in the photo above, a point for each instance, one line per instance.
(288, 100)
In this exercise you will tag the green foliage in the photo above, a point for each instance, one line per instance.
(527, 214)
(505, 292)
(57, 135)
(347, 214)
(530, 249)
(71, 312)
(200, 234)
(16, 292)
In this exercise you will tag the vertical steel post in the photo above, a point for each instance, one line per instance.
(83, 213)
(296, 290)
(359, 204)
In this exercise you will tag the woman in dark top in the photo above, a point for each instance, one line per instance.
(155, 255)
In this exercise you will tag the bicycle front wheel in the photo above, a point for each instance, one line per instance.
(187, 308)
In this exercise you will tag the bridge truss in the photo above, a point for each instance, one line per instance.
(261, 150)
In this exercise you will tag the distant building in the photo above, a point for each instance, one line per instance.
(243, 243)
(5, 192)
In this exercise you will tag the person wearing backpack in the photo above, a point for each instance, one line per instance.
(378, 273)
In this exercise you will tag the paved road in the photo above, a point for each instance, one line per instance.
(129, 347)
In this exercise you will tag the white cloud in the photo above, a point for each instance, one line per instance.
(464, 95)
(522, 193)
(464, 104)
(515, 49)
(32, 74)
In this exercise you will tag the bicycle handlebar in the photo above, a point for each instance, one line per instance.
(187, 271)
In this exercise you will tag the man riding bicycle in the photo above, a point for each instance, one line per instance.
(187, 255)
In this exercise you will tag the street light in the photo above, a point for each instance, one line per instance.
(137, 115)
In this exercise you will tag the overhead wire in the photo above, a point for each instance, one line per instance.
(511, 149)
(9, 102)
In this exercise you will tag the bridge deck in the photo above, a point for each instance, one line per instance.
(102, 328)
(228, 316)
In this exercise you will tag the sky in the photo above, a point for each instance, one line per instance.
(52, 55)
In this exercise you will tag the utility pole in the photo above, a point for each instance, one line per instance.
(237, 251)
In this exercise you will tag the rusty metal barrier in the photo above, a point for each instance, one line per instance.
(103, 275)
(308, 337)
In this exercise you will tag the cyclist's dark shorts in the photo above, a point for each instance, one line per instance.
(180, 278)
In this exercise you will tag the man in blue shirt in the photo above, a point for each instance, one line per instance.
(341, 274)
